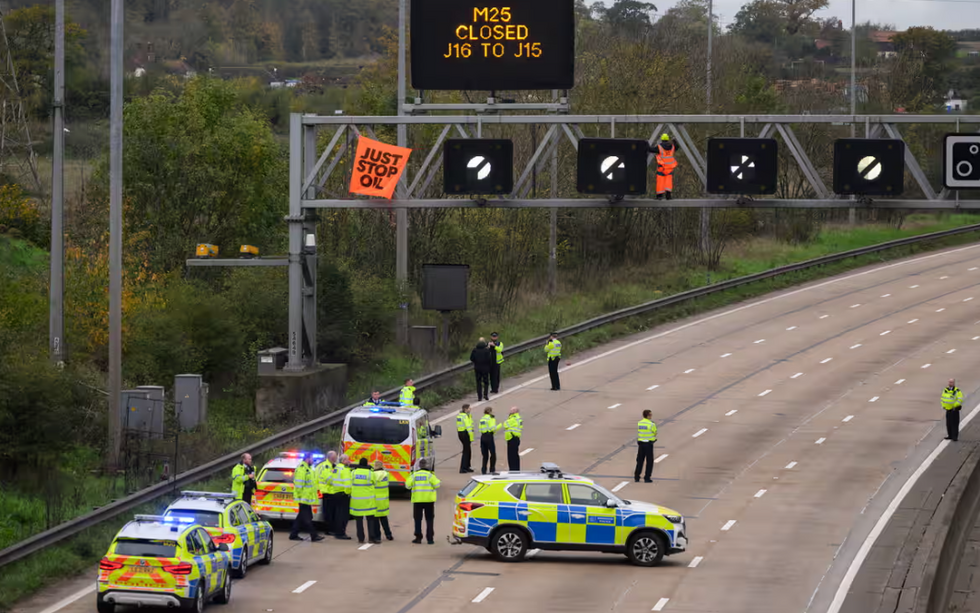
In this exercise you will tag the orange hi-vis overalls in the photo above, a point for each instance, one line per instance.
(665, 169)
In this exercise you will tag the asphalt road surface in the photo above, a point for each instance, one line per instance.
(779, 422)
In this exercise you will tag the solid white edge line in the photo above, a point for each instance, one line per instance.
(526, 451)
(661, 458)
(61, 604)
(781, 296)
(791, 465)
(303, 587)
(760, 493)
(699, 432)
(486, 592)
(728, 525)
(620, 486)
(694, 563)
(660, 604)
(862, 554)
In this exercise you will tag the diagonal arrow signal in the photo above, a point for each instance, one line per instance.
(482, 166)
(741, 168)
(610, 163)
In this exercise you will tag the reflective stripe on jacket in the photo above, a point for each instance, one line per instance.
(362, 492)
(554, 349)
(464, 423)
(423, 485)
(407, 395)
(514, 426)
(665, 161)
(238, 479)
(952, 398)
(646, 431)
(488, 424)
(381, 493)
(304, 485)
(499, 348)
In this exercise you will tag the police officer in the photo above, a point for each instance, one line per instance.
(488, 448)
(952, 400)
(340, 480)
(553, 350)
(407, 395)
(645, 438)
(513, 428)
(498, 355)
(304, 493)
(374, 400)
(464, 428)
(423, 484)
(323, 471)
(381, 499)
(362, 501)
(243, 479)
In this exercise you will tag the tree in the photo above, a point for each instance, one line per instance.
(759, 21)
(200, 169)
(630, 16)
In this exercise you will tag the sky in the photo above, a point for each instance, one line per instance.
(940, 14)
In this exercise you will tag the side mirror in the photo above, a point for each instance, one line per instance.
(612, 504)
(437, 431)
(223, 547)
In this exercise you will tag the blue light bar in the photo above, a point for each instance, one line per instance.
(383, 410)
(183, 520)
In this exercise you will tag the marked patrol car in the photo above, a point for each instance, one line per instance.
(510, 512)
(230, 522)
(158, 561)
(273, 498)
(397, 434)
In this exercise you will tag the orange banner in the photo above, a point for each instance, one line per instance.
(377, 168)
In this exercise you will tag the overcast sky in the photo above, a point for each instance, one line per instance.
(942, 15)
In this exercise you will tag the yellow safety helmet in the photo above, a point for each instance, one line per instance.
(664, 136)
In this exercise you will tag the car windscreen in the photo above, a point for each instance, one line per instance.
(378, 430)
(208, 519)
(276, 475)
(143, 548)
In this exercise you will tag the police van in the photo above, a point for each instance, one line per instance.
(398, 435)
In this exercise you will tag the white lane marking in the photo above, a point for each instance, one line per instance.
(885, 332)
(799, 374)
(526, 451)
(532, 553)
(975, 338)
(486, 592)
(941, 310)
(618, 404)
(620, 486)
(303, 587)
(862, 554)
(725, 355)
(885, 295)
(848, 418)
(926, 365)
(728, 525)
(943, 277)
(791, 465)
(913, 286)
(824, 316)
(874, 399)
(660, 459)
(699, 432)
(652, 387)
(951, 351)
(660, 604)
(791, 328)
(820, 441)
(825, 361)
(855, 346)
(765, 392)
(968, 299)
(854, 306)
(61, 604)
(688, 371)
(739, 309)
(694, 563)
(365, 547)
(974, 268)
(732, 412)
(900, 381)
(912, 321)
(761, 340)
(573, 426)
(760, 493)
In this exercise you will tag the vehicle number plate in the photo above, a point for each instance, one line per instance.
(143, 570)
(281, 497)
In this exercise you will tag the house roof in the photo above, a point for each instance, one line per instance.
(882, 36)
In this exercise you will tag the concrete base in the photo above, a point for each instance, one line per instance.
(288, 395)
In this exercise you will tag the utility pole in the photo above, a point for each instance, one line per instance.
(401, 215)
(56, 287)
(115, 231)
(852, 212)
(553, 221)
(711, 20)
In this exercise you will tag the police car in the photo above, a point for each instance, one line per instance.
(273, 498)
(161, 561)
(230, 522)
(397, 434)
(508, 513)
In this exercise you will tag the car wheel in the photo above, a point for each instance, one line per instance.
(509, 544)
(267, 558)
(242, 569)
(197, 604)
(225, 595)
(104, 607)
(645, 549)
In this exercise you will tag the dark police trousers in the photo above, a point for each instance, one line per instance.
(373, 528)
(428, 509)
(553, 373)
(953, 424)
(341, 514)
(495, 378)
(466, 458)
(329, 511)
(514, 454)
(304, 521)
(644, 451)
(488, 447)
(482, 385)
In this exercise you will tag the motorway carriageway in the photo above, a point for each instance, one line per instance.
(780, 422)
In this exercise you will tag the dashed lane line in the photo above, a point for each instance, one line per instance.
(926, 365)
(951, 351)
(694, 563)
(304, 587)
(573, 426)
(760, 493)
(826, 360)
(732, 412)
(688, 371)
(848, 418)
(912, 321)
(652, 387)
(797, 375)
(766, 393)
(526, 451)
(618, 404)
(791, 328)
(483, 595)
(725, 355)
(790, 465)
(660, 604)
(820, 441)
(728, 525)
(874, 399)
(365, 547)
(855, 346)
(660, 459)
(620, 486)
(900, 381)
(885, 332)
(699, 432)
